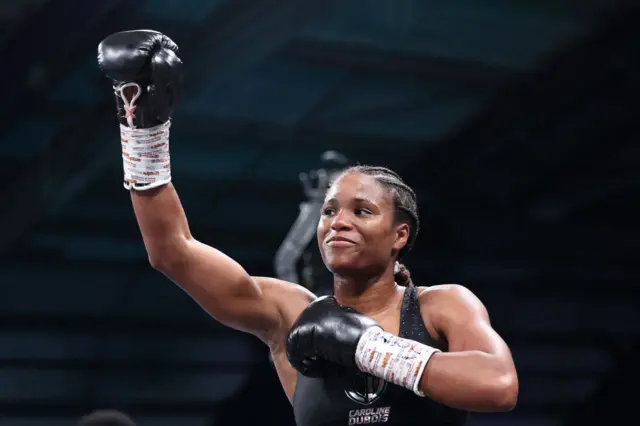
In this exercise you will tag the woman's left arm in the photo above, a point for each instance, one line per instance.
(478, 372)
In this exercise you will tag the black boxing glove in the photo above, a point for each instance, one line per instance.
(147, 62)
(328, 332)
(147, 78)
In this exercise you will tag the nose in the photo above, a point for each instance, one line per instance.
(341, 222)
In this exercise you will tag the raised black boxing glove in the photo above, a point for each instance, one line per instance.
(147, 63)
(325, 332)
(146, 73)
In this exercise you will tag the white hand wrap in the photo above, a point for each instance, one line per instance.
(392, 358)
(145, 156)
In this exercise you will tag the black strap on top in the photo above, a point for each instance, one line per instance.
(411, 322)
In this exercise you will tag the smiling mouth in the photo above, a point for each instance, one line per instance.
(340, 243)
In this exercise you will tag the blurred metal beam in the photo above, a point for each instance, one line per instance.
(26, 408)
(92, 325)
(486, 247)
(564, 201)
(241, 31)
(494, 271)
(280, 191)
(220, 230)
(374, 59)
(311, 136)
(549, 115)
(56, 175)
(579, 152)
(43, 258)
(271, 136)
(45, 40)
(85, 325)
(124, 365)
(237, 34)
(558, 241)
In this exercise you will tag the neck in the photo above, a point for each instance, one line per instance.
(367, 296)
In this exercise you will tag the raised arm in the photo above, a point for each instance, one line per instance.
(146, 73)
(218, 283)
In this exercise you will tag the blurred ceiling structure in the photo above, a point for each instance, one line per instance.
(514, 121)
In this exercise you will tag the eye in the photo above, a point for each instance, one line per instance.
(362, 212)
(328, 211)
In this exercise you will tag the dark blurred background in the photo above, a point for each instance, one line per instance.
(515, 121)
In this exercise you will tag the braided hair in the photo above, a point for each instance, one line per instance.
(405, 210)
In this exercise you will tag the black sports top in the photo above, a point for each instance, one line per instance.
(354, 398)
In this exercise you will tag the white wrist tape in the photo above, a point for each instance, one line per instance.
(392, 358)
(145, 156)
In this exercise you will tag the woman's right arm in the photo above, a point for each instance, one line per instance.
(215, 281)
(146, 73)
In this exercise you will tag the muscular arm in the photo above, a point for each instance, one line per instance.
(215, 281)
(146, 72)
(478, 373)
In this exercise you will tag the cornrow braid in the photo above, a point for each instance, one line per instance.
(406, 209)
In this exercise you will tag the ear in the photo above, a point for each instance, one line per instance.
(402, 236)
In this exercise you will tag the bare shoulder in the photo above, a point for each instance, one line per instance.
(289, 298)
(447, 292)
(450, 302)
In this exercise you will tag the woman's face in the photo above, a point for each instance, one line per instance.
(357, 232)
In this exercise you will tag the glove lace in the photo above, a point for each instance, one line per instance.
(129, 105)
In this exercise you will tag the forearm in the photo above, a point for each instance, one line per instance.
(161, 220)
(472, 380)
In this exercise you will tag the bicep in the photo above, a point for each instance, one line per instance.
(476, 334)
(464, 321)
(224, 289)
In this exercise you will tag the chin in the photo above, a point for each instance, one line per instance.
(340, 264)
(344, 266)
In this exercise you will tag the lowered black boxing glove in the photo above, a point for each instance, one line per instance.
(146, 73)
(326, 333)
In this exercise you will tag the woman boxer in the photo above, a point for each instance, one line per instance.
(381, 350)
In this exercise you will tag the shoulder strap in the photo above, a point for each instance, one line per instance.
(411, 323)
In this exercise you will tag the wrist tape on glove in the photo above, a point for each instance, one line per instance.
(145, 156)
(392, 358)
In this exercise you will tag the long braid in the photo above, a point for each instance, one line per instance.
(406, 209)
